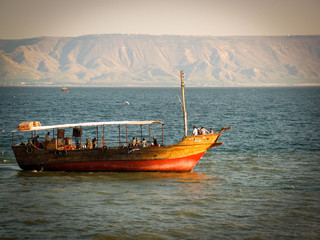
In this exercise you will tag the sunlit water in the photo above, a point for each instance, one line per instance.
(262, 183)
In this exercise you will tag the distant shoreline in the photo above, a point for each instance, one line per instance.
(244, 86)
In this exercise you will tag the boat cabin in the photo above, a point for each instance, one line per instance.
(77, 136)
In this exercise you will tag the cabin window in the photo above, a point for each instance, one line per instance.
(61, 133)
(76, 132)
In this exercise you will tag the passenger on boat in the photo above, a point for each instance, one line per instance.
(211, 131)
(78, 146)
(37, 143)
(155, 142)
(137, 142)
(47, 138)
(29, 144)
(35, 140)
(94, 142)
(133, 142)
(89, 144)
(195, 131)
(203, 131)
(144, 142)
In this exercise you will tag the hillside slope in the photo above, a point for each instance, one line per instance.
(143, 60)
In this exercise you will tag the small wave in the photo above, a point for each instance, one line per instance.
(104, 193)
(8, 167)
(58, 190)
(191, 214)
(112, 202)
(36, 221)
(56, 203)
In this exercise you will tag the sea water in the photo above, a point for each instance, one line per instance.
(262, 183)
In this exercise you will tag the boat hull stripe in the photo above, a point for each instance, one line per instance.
(182, 164)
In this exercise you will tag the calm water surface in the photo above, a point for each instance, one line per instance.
(262, 183)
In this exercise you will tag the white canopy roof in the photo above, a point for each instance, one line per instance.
(90, 124)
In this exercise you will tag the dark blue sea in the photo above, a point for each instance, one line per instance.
(262, 183)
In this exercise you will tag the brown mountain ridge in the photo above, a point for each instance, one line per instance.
(145, 60)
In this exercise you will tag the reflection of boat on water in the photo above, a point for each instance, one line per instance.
(64, 89)
(61, 154)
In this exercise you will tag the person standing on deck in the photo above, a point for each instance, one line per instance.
(94, 142)
(204, 131)
(47, 138)
(195, 131)
(89, 144)
(78, 146)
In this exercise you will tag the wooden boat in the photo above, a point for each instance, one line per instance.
(64, 89)
(60, 154)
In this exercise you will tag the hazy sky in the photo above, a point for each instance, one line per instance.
(33, 18)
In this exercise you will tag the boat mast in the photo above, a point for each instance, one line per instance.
(183, 105)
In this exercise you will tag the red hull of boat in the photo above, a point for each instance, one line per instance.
(183, 164)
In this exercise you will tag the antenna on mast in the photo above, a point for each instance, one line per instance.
(183, 105)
